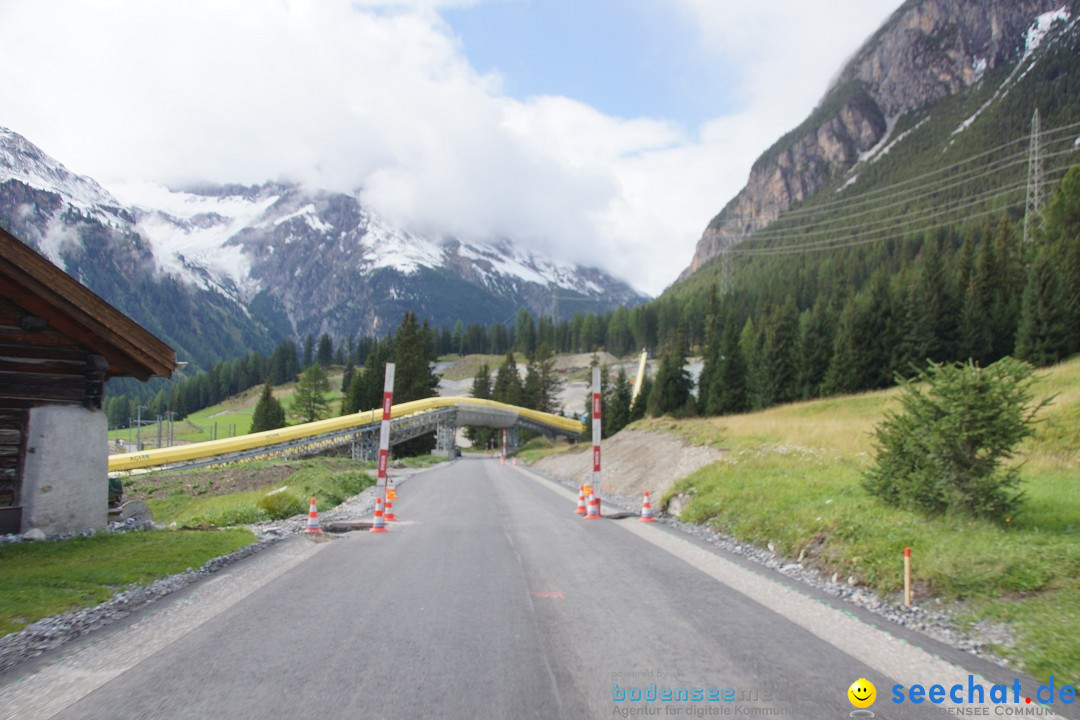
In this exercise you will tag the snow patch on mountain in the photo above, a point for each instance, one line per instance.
(190, 233)
(390, 247)
(1038, 30)
(23, 161)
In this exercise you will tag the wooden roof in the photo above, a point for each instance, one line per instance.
(35, 284)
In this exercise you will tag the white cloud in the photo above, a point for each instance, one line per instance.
(377, 95)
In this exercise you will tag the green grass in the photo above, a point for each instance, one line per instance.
(235, 411)
(329, 480)
(47, 578)
(792, 477)
(420, 461)
(540, 447)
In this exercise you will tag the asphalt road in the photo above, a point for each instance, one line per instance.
(489, 598)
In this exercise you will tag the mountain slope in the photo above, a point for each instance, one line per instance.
(245, 266)
(928, 54)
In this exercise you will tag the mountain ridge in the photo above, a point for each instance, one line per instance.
(278, 259)
(926, 52)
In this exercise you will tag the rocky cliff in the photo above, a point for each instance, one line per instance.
(927, 51)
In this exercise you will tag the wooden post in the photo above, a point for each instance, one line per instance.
(907, 577)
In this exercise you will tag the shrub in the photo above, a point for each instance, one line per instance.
(946, 450)
(339, 487)
(281, 505)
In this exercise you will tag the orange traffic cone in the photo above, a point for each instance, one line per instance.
(594, 508)
(388, 514)
(646, 510)
(380, 522)
(581, 501)
(313, 520)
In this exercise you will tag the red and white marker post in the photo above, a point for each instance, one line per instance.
(384, 437)
(596, 402)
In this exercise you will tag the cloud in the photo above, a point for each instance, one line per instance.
(376, 96)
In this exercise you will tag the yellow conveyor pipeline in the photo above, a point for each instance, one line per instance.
(227, 446)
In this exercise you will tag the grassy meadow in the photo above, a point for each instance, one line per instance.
(792, 477)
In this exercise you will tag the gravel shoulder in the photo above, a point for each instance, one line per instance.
(633, 461)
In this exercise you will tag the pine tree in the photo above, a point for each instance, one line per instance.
(413, 355)
(508, 387)
(671, 391)
(524, 333)
(1007, 278)
(542, 385)
(309, 402)
(269, 414)
(778, 355)
(814, 351)
(1043, 336)
(414, 352)
(347, 376)
(1061, 225)
(729, 389)
(309, 351)
(848, 367)
(617, 404)
(750, 348)
(325, 354)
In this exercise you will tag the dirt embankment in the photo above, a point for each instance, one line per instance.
(633, 461)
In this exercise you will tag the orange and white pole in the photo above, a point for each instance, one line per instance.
(384, 440)
(596, 403)
(907, 577)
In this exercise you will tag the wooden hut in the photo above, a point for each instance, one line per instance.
(59, 343)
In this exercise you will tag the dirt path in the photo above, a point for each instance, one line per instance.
(633, 461)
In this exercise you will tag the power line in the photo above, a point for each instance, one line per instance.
(842, 225)
(897, 227)
(895, 188)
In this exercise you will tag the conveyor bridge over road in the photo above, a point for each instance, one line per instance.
(441, 415)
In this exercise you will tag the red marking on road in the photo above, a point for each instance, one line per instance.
(550, 595)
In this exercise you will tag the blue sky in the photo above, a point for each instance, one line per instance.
(600, 132)
(627, 58)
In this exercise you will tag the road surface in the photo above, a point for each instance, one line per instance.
(489, 599)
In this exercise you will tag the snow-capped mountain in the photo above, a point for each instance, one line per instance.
(285, 260)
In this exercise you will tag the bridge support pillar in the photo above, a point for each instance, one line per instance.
(445, 432)
(513, 438)
(365, 446)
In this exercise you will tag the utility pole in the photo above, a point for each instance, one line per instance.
(1034, 182)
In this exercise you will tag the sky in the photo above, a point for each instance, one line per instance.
(600, 132)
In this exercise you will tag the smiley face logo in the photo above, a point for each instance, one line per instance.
(862, 693)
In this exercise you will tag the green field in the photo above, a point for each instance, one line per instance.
(230, 418)
(792, 476)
